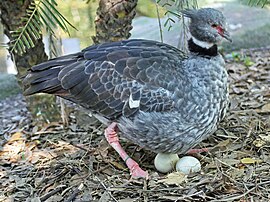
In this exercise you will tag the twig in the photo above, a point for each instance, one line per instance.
(75, 193)
(92, 172)
(47, 132)
(145, 197)
(51, 193)
(66, 190)
(64, 114)
(242, 195)
(227, 135)
(159, 23)
(103, 185)
(226, 164)
(100, 170)
(129, 189)
(199, 193)
(47, 185)
(235, 197)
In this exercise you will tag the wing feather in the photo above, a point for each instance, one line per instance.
(108, 78)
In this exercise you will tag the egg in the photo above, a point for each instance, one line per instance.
(188, 164)
(165, 162)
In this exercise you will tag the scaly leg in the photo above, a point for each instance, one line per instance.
(112, 138)
(193, 151)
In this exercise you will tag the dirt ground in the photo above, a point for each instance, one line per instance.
(49, 162)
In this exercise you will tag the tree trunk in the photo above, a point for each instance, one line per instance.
(12, 11)
(113, 21)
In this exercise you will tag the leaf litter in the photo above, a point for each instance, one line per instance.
(50, 162)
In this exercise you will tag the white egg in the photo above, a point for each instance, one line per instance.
(188, 164)
(165, 163)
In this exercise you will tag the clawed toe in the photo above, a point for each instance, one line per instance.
(139, 173)
(136, 171)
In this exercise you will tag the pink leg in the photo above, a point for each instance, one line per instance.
(113, 140)
(193, 151)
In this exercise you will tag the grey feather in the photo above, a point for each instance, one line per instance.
(162, 99)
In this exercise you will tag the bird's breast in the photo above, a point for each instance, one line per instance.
(205, 96)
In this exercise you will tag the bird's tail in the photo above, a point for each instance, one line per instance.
(44, 77)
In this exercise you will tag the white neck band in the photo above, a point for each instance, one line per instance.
(202, 44)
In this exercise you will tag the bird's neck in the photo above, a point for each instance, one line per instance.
(202, 48)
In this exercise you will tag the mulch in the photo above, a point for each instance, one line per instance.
(52, 162)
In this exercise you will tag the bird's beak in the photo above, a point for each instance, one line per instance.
(226, 35)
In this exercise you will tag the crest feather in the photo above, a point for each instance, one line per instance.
(190, 13)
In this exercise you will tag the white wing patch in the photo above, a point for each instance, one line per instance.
(133, 103)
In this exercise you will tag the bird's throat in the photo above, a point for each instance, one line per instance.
(202, 51)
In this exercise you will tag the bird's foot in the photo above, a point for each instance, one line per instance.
(112, 138)
(194, 151)
(135, 170)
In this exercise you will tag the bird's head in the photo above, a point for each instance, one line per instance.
(207, 25)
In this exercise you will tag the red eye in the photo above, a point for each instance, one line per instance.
(218, 28)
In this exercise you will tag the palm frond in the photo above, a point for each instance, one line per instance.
(260, 3)
(40, 14)
(173, 15)
(173, 7)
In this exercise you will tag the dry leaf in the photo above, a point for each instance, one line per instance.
(127, 200)
(266, 108)
(230, 161)
(265, 138)
(250, 161)
(16, 136)
(236, 173)
(259, 142)
(36, 199)
(35, 129)
(34, 158)
(223, 143)
(55, 198)
(170, 198)
(105, 197)
(176, 178)
(118, 165)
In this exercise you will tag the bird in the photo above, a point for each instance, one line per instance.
(159, 97)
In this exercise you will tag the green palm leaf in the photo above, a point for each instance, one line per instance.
(261, 3)
(40, 14)
(173, 7)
